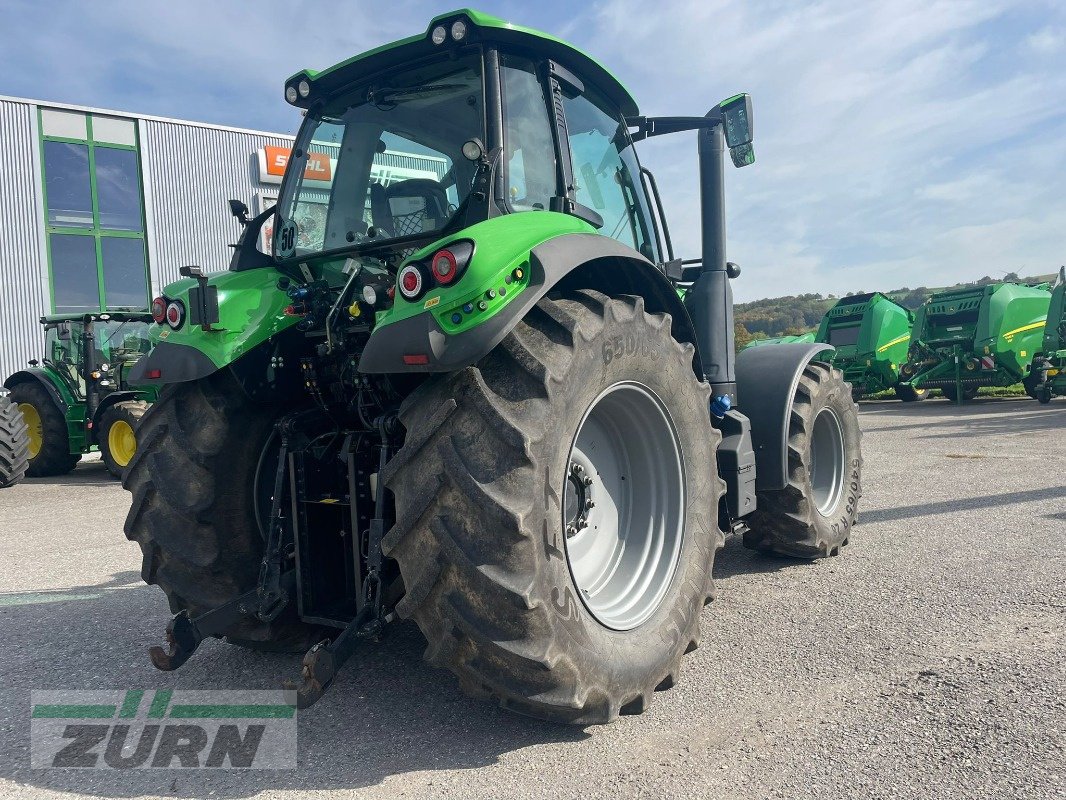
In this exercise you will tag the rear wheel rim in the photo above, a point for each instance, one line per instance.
(827, 461)
(624, 507)
(121, 442)
(33, 420)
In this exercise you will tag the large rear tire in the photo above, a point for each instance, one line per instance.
(49, 449)
(117, 434)
(814, 515)
(193, 511)
(486, 487)
(14, 443)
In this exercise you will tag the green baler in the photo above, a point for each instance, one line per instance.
(1047, 373)
(803, 338)
(976, 336)
(870, 333)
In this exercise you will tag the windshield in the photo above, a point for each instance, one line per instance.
(383, 161)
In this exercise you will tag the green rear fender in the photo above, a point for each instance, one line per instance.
(251, 309)
(517, 259)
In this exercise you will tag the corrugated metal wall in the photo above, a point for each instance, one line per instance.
(190, 173)
(23, 283)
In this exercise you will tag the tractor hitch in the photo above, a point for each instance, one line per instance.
(322, 662)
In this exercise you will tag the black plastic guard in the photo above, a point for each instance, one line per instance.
(766, 383)
(176, 363)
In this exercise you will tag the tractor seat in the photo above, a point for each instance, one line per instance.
(416, 205)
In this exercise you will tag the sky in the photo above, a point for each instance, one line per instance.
(898, 143)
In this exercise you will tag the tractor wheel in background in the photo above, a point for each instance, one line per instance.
(193, 480)
(116, 434)
(814, 515)
(556, 511)
(968, 393)
(49, 448)
(1043, 395)
(908, 394)
(14, 443)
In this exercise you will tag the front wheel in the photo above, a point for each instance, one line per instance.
(117, 434)
(908, 394)
(814, 514)
(556, 511)
(968, 393)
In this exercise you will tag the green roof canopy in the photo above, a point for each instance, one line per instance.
(480, 28)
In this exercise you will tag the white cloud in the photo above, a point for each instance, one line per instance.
(900, 142)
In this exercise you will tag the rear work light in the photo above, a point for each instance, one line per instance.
(159, 310)
(175, 314)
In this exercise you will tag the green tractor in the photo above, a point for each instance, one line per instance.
(976, 336)
(871, 334)
(1047, 373)
(14, 443)
(487, 398)
(79, 398)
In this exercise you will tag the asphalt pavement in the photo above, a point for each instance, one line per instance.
(927, 661)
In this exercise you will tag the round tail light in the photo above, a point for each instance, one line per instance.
(175, 314)
(159, 310)
(444, 267)
(410, 281)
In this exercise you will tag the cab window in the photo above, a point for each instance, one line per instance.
(530, 148)
(606, 171)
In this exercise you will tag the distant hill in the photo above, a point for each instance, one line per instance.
(796, 314)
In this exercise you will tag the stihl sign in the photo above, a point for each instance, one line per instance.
(273, 160)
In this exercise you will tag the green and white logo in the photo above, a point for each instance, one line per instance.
(162, 729)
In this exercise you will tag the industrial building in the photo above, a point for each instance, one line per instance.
(100, 209)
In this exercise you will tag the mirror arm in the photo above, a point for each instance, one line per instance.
(660, 126)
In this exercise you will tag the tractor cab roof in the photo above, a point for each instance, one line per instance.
(478, 27)
(94, 316)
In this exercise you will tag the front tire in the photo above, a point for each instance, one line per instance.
(813, 516)
(14, 443)
(908, 394)
(193, 510)
(968, 393)
(49, 447)
(484, 495)
(117, 434)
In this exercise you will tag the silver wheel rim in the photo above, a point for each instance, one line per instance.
(623, 514)
(827, 461)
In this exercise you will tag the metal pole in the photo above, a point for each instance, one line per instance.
(710, 299)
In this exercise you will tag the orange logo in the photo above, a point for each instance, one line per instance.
(318, 167)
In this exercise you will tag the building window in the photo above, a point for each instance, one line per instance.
(94, 212)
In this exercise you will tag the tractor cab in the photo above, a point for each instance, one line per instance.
(92, 353)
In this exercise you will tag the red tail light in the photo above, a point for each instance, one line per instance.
(175, 314)
(159, 310)
(444, 267)
(411, 281)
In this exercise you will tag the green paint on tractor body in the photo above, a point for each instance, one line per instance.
(1047, 373)
(870, 333)
(801, 338)
(977, 336)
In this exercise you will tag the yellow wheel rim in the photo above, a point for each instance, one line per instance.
(33, 420)
(122, 442)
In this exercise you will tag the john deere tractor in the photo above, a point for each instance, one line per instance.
(1047, 373)
(975, 336)
(467, 387)
(79, 398)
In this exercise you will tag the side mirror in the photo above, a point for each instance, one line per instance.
(63, 331)
(739, 127)
(239, 210)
